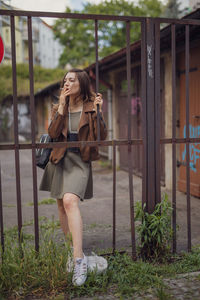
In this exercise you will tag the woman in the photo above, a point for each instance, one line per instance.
(68, 174)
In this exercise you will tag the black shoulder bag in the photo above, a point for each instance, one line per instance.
(42, 154)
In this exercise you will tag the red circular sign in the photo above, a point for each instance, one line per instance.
(1, 49)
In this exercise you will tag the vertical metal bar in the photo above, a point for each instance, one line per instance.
(114, 196)
(15, 111)
(97, 77)
(97, 55)
(151, 169)
(157, 111)
(130, 169)
(173, 51)
(1, 215)
(128, 70)
(32, 110)
(144, 109)
(187, 64)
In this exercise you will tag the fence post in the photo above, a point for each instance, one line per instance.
(151, 102)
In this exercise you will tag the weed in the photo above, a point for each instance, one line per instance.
(154, 230)
(9, 205)
(44, 274)
(95, 225)
(162, 295)
(47, 201)
(13, 233)
(105, 164)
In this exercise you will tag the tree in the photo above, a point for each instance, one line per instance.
(78, 38)
(172, 9)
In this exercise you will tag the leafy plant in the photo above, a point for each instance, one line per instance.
(154, 230)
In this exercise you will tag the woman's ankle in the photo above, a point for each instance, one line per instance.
(78, 254)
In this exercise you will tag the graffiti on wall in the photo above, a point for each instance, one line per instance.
(194, 149)
(135, 105)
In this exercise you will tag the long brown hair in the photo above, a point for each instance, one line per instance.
(85, 86)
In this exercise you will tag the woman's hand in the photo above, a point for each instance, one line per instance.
(62, 101)
(64, 93)
(98, 100)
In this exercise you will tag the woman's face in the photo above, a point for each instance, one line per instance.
(71, 84)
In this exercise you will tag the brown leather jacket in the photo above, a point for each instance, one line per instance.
(87, 131)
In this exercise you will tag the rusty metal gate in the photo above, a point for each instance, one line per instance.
(151, 137)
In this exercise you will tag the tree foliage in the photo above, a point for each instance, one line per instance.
(42, 78)
(172, 9)
(78, 37)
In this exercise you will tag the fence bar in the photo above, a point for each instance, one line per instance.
(97, 77)
(157, 111)
(114, 197)
(1, 215)
(80, 143)
(144, 109)
(96, 143)
(130, 168)
(71, 15)
(15, 111)
(151, 151)
(187, 65)
(26, 13)
(173, 51)
(32, 109)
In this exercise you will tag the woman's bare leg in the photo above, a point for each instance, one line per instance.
(71, 206)
(63, 218)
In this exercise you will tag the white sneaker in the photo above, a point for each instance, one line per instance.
(80, 271)
(96, 263)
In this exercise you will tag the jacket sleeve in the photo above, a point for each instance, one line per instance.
(56, 125)
(103, 129)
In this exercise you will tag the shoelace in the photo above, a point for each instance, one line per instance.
(78, 268)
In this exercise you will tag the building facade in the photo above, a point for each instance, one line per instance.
(46, 50)
(113, 72)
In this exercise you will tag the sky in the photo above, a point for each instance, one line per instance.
(49, 5)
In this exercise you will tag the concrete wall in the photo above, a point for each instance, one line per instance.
(7, 120)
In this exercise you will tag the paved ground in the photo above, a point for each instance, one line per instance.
(97, 212)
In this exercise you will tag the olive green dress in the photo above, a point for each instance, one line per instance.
(71, 174)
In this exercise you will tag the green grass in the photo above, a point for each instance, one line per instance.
(9, 205)
(105, 164)
(47, 201)
(95, 225)
(44, 274)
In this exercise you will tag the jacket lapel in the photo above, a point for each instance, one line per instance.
(65, 128)
(87, 107)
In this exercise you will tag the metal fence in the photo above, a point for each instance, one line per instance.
(151, 140)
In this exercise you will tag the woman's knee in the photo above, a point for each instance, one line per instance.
(70, 201)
